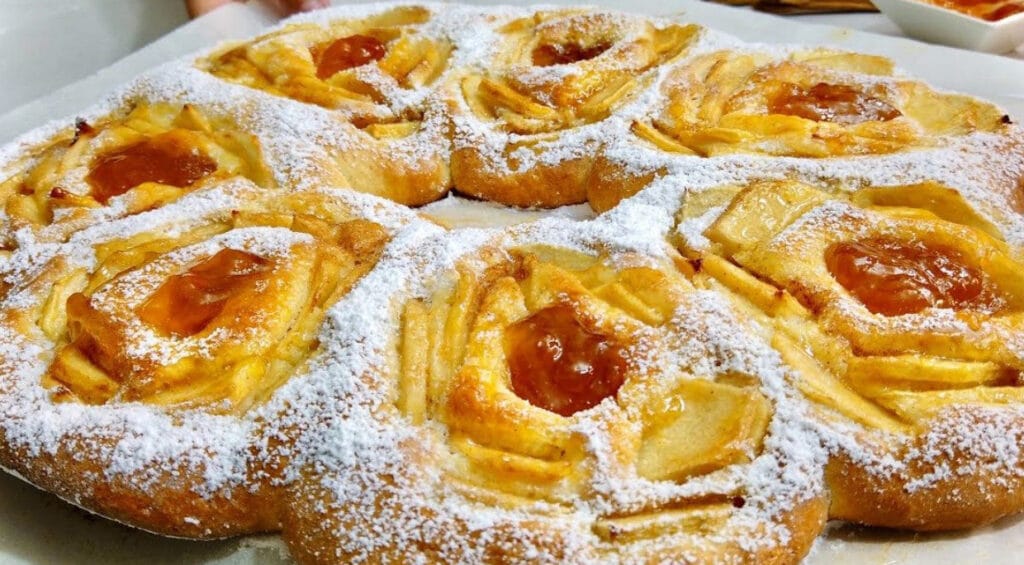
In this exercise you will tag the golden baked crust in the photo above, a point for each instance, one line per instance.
(364, 69)
(469, 358)
(162, 150)
(792, 294)
(810, 104)
(555, 73)
(817, 104)
(205, 315)
(945, 503)
(896, 317)
(320, 64)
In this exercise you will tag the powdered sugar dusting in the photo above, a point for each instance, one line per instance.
(350, 458)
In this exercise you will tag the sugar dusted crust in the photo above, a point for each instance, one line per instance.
(350, 387)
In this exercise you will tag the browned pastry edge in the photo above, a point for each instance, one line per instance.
(563, 183)
(369, 167)
(312, 538)
(609, 184)
(805, 524)
(167, 505)
(949, 503)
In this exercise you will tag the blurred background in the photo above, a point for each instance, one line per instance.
(84, 35)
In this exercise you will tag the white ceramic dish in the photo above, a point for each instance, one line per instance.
(948, 27)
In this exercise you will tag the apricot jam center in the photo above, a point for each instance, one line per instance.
(835, 103)
(163, 158)
(566, 53)
(559, 365)
(185, 304)
(346, 53)
(893, 277)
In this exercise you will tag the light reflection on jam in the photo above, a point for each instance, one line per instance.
(561, 366)
(566, 53)
(346, 53)
(186, 303)
(835, 103)
(164, 158)
(894, 277)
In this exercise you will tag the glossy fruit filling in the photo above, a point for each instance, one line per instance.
(346, 53)
(186, 303)
(546, 55)
(836, 103)
(558, 364)
(164, 159)
(894, 277)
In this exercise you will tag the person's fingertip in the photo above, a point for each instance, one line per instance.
(307, 5)
(198, 8)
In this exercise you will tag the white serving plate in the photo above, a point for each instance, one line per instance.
(38, 528)
(949, 27)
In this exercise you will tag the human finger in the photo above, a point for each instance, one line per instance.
(197, 8)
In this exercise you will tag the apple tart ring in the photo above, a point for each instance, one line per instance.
(146, 158)
(375, 72)
(897, 319)
(540, 385)
(352, 65)
(226, 311)
(807, 104)
(177, 325)
(556, 73)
